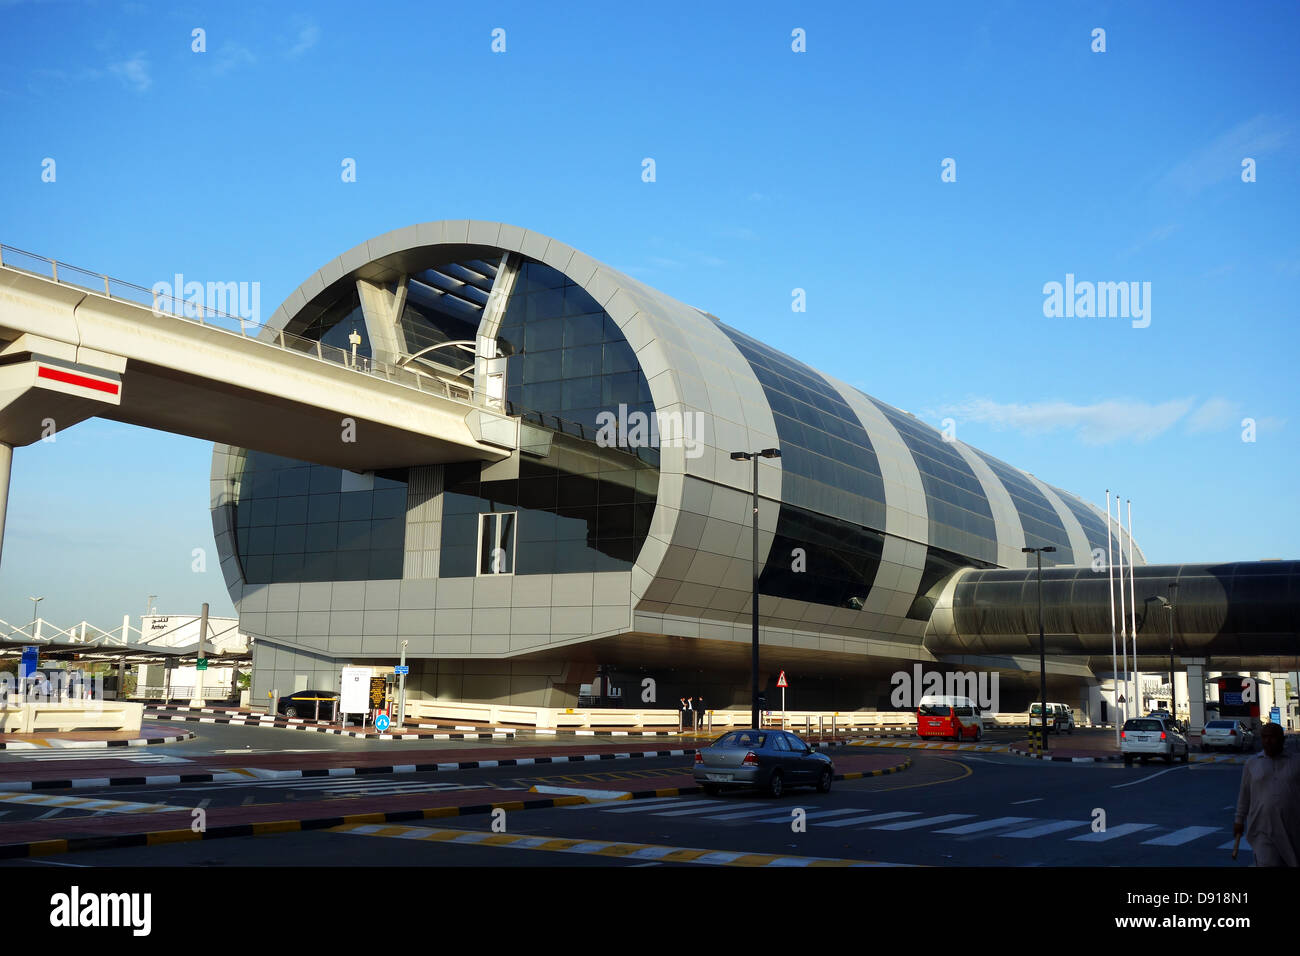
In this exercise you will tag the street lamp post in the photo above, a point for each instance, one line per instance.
(35, 603)
(1042, 640)
(753, 662)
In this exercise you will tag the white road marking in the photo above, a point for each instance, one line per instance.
(1133, 783)
(812, 815)
(985, 825)
(1030, 800)
(924, 821)
(1179, 837)
(1051, 826)
(642, 809)
(894, 815)
(1110, 833)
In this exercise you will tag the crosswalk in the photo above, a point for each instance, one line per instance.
(129, 754)
(895, 821)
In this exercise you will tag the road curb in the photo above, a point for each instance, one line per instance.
(358, 771)
(58, 744)
(298, 723)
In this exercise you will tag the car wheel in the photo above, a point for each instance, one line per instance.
(291, 712)
(1128, 760)
(824, 781)
(775, 784)
(979, 734)
(1186, 754)
(711, 789)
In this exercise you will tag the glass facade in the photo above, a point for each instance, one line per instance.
(567, 357)
(828, 464)
(299, 522)
(338, 321)
(564, 522)
(838, 564)
(1094, 526)
(961, 520)
(1041, 523)
(939, 565)
(445, 304)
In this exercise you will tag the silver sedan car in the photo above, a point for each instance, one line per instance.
(770, 760)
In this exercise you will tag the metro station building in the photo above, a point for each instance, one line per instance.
(602, 528)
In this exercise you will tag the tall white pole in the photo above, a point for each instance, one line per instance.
(1110, 587)
(1123, 621)
(1132, 583)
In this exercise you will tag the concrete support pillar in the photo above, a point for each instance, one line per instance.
(6, 465)
(1195, 695)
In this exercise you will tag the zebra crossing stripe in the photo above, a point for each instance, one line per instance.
(985, 825)
(892, 815)
(1053, 826)
(923, 822)
(1179, 837)
(1110, 833)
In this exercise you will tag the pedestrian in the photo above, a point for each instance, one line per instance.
(45, 687)
(1268, 803)
(684, 714)
(699, 711)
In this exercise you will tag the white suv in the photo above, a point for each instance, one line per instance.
(1147, 737)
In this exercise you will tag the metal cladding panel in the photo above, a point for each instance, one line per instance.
(961, 520)
(1041, 524)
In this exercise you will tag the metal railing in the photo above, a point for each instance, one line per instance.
(198, 313)
(175, 692)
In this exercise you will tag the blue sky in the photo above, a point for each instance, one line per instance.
(775, 170)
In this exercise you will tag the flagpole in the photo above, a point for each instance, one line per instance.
(1110, 588)
(1132, 583)
(1123, 622)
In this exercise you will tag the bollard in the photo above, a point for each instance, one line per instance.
(318, 710)
(834, 732)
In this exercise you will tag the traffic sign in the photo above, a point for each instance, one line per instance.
(1275, 715)
(202, 664)
(381, 723)
(781, 681)
(402, 669)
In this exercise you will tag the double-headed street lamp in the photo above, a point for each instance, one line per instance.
(1042, 651)
(753, 675)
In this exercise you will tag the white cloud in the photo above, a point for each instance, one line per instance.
(1221, 159)
(307, 38)
(134, 72)
(231, 56)
(1215, 414)
(1097, 424)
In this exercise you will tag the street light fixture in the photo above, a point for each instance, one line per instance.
(753, 663)
(35, 603)
(1042, 640)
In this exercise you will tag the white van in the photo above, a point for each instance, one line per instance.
(1059, 717)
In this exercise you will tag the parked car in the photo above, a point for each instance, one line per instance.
(1228, 734)
(770, 760)
(303, 703)
(1146, 737)
(1179, 725)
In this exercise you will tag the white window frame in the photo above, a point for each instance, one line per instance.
(478, 550)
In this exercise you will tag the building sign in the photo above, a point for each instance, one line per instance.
(378, 695)
(353, 694)
(31, 660)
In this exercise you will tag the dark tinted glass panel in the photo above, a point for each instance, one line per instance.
(1094, 524)
(1039, 519)
(568, 361)
(837, 566)
(558, 522)
(294, 523)
(822, 440)
(939, 566)
(961, 520)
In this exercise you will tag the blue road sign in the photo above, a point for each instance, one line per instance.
(381, 723)
(402, 669)
(31, 660)
(1275, 715)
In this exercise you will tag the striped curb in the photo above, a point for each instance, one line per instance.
(632, 851)
(58, 744)
(296, 723)
(271, 774)
(874, 773)
(923, 745)
(159, 837)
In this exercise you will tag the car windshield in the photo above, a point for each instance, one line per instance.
(1149, 724)
(742, 738)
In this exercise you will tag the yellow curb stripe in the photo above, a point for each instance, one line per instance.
(435, 813)
(46, 847)
(159, 837)
(593, 847)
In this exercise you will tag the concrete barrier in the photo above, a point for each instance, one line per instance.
(30, 718)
